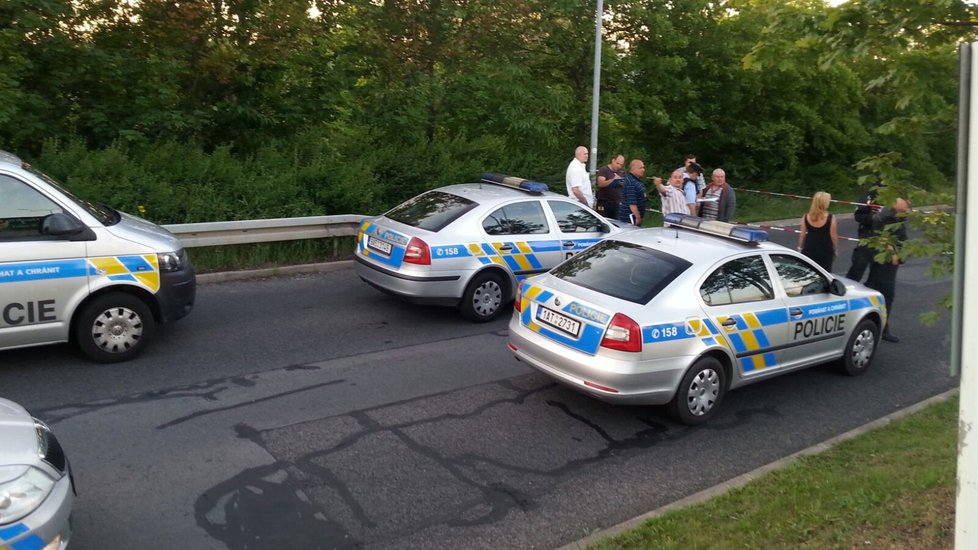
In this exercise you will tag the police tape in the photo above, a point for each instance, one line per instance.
(792, 196)
(790, 230)
(772, 227)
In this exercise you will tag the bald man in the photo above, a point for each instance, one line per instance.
(578, 181)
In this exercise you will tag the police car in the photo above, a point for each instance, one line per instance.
(73, 270)
(468, 245)
(679, 315)
(36, 488)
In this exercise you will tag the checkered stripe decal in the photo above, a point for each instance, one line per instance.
(747, 336)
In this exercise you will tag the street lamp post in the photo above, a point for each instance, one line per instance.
(596, 95)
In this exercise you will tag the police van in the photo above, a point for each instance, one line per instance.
(73, 270)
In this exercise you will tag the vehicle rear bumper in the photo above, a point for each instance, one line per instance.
(440, 289)
(650, 382)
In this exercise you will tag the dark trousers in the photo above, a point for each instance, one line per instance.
(607, 208)
(862, 258)
(882, 278)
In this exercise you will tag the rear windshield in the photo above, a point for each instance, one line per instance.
(623, 270)
(432, 210)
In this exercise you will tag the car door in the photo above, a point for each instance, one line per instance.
(40, 275)
(578, 227)
(817, 318)
(519, 237)
(740, 301)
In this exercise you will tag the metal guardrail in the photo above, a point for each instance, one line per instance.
(268, 230)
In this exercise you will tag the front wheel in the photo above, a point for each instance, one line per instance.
(114, 327)
(485, 297)
(861, 348)
(700, 392)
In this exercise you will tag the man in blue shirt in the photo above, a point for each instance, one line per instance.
(690, 186)
(633, 199)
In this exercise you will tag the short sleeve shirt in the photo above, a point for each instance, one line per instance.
(689, 189)
(577, 177)
(612, 192)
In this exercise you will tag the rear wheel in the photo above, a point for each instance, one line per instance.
(485, 297)
(700, 392)
(861, 348)
(114, 327)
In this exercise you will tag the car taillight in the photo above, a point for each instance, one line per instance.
(417, 252)
(516, 302)
(622, 334)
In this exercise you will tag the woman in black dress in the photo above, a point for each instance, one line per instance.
(819, 236)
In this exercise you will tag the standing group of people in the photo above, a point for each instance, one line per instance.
(622, 194)
(819, 240)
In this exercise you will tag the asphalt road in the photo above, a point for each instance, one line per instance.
(315, 412)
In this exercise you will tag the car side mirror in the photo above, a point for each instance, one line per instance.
(63, 225)
(59, 224)
(837, 287)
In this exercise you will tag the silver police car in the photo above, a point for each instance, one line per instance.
(679, 315)
(468, 245)
(36, 489)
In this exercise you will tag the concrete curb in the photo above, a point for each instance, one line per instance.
(744, 479)
(225, 276)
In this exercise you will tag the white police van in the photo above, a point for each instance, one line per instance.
(72, 270)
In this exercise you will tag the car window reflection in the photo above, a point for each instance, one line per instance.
(797, 277)
(572, 218)
(520, 218)
(738, 281)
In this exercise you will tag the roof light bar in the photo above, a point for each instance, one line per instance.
(512, 181)
(720, 229)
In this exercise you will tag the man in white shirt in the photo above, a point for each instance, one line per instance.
(578, 181)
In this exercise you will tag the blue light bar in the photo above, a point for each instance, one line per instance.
(515, 182)
(720, 229)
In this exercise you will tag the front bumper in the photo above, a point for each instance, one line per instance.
(178, 289)
(48, 527)
(637, 382)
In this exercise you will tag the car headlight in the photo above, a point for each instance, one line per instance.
(24, 494)
(172, 261)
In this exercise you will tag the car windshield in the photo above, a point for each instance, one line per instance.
(105, 214)
(623, 270)
(432, 210)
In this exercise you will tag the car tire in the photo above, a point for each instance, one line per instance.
(700, 392)
(861, 348)
(485, 297)
(114, 327)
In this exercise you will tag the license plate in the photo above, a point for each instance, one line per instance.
(560, 322)
(379, 245)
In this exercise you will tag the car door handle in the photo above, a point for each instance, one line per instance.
(729, 323)
(795, 312)
(568, 244)
(505, 248)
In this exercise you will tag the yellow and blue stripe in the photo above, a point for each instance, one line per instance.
(143, 269)
(749, 339)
